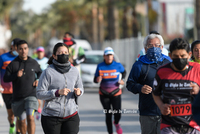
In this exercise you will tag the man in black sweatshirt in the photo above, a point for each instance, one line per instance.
(24, 73)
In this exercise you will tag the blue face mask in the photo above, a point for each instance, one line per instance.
(15, 53)
(154, 54)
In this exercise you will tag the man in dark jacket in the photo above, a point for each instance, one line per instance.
(140, 81)
(24, 72)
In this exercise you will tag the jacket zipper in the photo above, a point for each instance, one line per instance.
(65, 96)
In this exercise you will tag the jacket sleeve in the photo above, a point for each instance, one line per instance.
(79, 84)
(132, 83)
(96, 74)
(42, 91)
(196, 109)
(9, 76)
(123, 71)
(38, 71)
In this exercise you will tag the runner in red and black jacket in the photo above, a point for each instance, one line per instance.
(176, 85)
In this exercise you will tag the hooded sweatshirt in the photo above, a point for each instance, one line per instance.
(23, 86)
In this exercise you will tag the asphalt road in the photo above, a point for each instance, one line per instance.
(92, 116)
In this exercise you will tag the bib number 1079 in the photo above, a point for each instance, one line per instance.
(181, 110)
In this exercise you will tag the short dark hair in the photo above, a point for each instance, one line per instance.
(192, 47)
(194, 44)
(69, 34)
(14, 41)
(179, 43)
(20, 42)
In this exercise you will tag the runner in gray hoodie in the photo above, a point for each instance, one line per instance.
(59, 85)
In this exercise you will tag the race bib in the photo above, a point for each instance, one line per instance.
(181, 109)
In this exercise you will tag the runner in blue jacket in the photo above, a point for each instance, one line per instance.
(140, 81)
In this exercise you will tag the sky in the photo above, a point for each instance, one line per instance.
(37, 5)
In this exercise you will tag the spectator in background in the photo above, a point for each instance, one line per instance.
(24, 73)
(42, 61)
(7, 88)
(140, 81)
(76, 51)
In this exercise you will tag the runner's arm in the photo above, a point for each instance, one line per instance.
(9, 76)
(132, 83)
(96, 75)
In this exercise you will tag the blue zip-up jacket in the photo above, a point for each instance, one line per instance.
(142, 73)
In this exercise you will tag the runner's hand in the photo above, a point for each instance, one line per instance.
(20, 73)
(165, 109)
(35, 83)
(64, 91)
(121, 82)
(99, 79)
(77, 91)
(195, 88)
(146, 89)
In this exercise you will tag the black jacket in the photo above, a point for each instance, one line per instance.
(22, 86)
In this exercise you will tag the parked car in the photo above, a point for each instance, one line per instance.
(88, 67)
(84, 44)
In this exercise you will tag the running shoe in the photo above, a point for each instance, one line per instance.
(118, 128)
(12, 129)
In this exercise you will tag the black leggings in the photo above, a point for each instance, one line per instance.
(55, 125)
(106, 102)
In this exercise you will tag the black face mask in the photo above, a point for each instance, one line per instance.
(180, 63)
(63, 58)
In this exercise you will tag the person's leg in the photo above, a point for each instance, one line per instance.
(17, 127)
(31, 104)
(116, 104)
(105, 101)
(30, 121)
(149, 124)
(38, 114)
(70, 125)
(51, 125)
(8, 101)
(22, 123)
(11, 116)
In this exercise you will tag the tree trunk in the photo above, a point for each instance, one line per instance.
(95, 26)
(101, 28)
(198, 18)
(125, 23)
(135, 25)
(113, 29)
